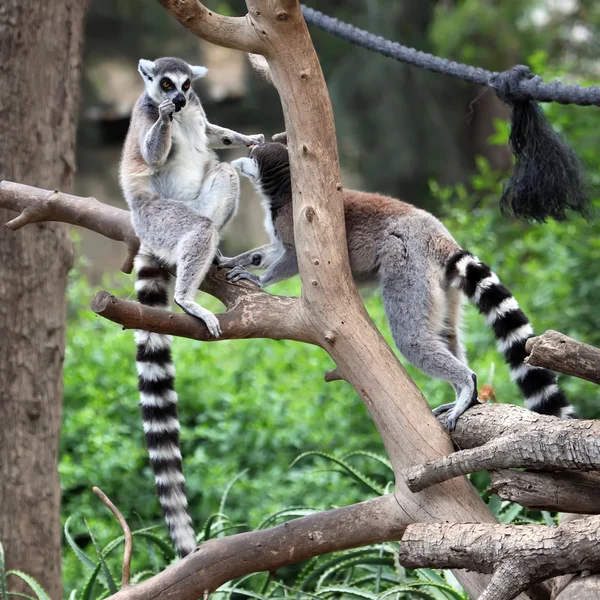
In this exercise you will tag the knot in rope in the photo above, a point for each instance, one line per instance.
(507, 84)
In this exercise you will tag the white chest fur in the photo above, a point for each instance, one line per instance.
(190, 158)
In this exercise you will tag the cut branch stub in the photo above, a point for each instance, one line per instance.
(518, 555)
(558, 492)
(552, 444)
(558, 352)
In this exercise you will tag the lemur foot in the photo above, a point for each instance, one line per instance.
(217, 260)
(239, 273)
(450, 413)
(195, 310)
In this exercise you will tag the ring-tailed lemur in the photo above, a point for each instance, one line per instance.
(180, 198)
(422, 271)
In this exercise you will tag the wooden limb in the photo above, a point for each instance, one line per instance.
(555, 444)
(37, 205)
(219, 560)
(126, 532)
(255, 315)
(333, 375)
(261, 66)
(559, 492)
(517, 555)
(558, 352)
(239, 33)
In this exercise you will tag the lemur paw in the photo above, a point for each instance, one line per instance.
(195, 310)
(257, 138)
(239, 273)
(166, 109)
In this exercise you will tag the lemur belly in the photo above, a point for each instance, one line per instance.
(189, 161)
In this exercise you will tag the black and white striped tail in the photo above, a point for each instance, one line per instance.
(511, 328)
(158, 400)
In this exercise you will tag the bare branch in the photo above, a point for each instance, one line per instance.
(219, 560)
(557, 352)
(518, 555)
(256, 315)
(333, 375)
(261, 66)
(560, 492)
(239, 33)
(551, 444)
(126, 532)
(37, 205)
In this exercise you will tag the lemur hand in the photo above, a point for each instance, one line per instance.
(239, 273)
(258, 138)
(166, 110)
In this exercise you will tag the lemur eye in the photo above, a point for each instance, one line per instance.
(186, 85)
(165, 84)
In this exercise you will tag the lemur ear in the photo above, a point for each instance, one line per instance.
(198, 72)
(146, 69)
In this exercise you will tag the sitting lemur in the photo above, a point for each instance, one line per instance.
(422, 272)
(180, 198)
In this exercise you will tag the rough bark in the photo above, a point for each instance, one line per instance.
(40, 49)
(551, 444)
(557, 492)
(518, 555)
(561, 353)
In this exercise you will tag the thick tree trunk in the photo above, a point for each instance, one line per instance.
(40, 48)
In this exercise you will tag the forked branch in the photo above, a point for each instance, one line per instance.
(517, 555)
(549, 444)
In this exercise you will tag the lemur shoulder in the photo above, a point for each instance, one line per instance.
(180, 198)
(422, 272)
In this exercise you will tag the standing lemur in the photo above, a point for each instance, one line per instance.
(422, 271)
(180, 198)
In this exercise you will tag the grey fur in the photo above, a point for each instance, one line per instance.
(180, 199)
(409, 251)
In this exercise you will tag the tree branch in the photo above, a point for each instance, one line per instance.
(220, 560)
(36, 205)
(518, 555)
(558, 492)
(549, 444)
(254, 315)
(557, 352)
(239, 33)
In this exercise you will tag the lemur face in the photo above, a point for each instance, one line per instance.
(169, 79)
(263, 159)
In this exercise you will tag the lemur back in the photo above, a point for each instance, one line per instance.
(180, 199)
(422, 272)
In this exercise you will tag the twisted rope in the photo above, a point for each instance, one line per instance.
(514, 86)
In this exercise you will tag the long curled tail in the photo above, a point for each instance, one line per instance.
(158, 400)
(511, 329)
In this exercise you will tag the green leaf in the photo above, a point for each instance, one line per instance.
(110, 582)
(211, 519)
(354, 473)
(2, 573)
(31, 582)
(21, 595)
(87, 562)
(228, 489)
(292, 511)
(510, 514)
(89, 584)
(377, 457)
(139, 576)
(351, 591)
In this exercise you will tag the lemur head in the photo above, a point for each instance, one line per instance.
(268, 167)
(169, 79)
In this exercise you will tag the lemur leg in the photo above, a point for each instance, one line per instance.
(219, 195)
(415, 305)
(195, 252)
(220, 137)
(259, 258)
(452, 332)
(284, 267)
